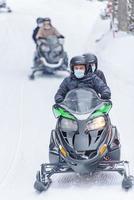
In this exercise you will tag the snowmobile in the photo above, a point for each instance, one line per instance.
(84, 140)
(50, 56)
(4, 7)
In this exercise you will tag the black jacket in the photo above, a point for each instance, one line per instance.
(101, 75)
(89, 81)
(35, 31)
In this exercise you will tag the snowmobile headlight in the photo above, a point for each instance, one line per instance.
(97, 123)
(68, 125)
(63, 151)
(102, 149)
(45, 48)
(58, 49)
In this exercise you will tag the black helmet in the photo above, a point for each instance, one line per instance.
(77, 60)
(39, 20)
(91, 59)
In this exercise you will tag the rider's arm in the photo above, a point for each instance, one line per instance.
(40, 33)
(101, 75)
(101, 88)
(62, 91)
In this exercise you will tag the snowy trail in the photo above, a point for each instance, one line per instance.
(10, 96)
(26, 106)
(14, 75)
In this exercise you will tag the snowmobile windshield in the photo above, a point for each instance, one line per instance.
(50, 44)
(81, 101)
(52, 40)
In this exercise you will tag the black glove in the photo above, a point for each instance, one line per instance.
(41, 38)
(106, 95)
(61, 36)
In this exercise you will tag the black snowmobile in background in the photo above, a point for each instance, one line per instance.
(50, 56)
(84, 140)
(4, 8)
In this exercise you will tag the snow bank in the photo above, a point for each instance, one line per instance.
(119, 55)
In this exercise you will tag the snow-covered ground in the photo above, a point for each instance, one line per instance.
(25, 106)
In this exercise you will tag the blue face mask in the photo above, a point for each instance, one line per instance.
(79, 73)
(93, 67)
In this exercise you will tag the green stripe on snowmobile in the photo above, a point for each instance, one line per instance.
(59, 112)
(103, 110)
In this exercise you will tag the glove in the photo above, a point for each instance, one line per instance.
(61, 36)
(41, 38)
(106, 95)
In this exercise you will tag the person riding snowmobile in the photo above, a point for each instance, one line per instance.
(47, 29)
(39, 22)
(81, 77)
(92, 63)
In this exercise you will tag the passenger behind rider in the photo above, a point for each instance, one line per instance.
(39, 22)
(92, 63)
(81, 77)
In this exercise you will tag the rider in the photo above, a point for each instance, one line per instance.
(39, 22)
(80, 77)
(47, 29)
(92, 63)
